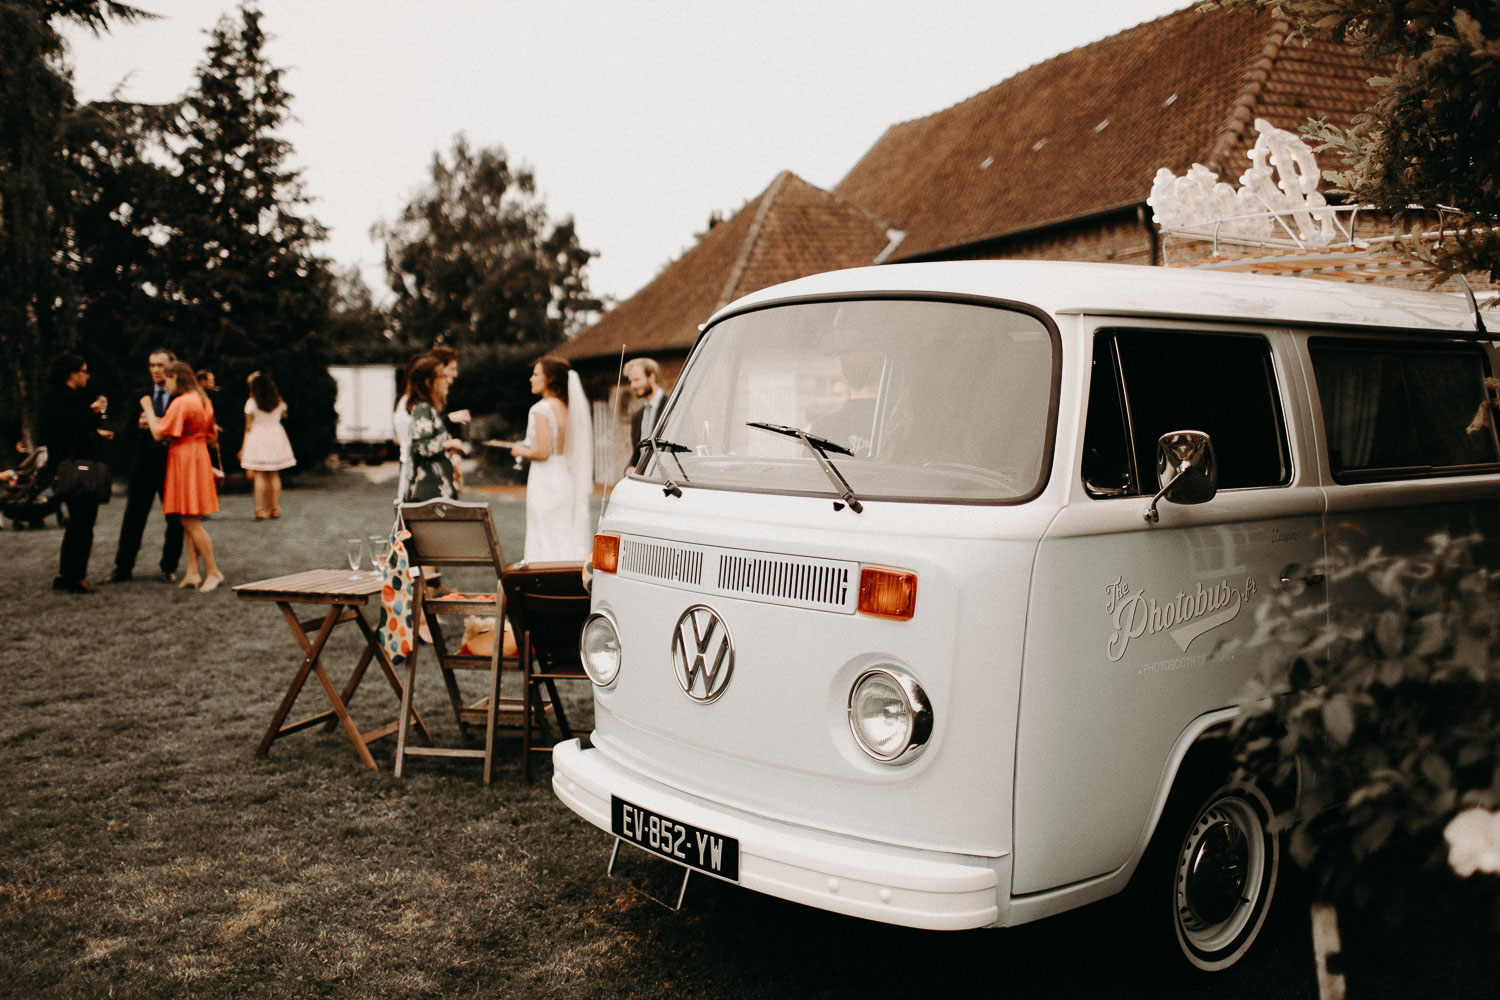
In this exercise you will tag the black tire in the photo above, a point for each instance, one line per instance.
(1207, 879)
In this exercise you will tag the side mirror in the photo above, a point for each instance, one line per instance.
(1186, 468)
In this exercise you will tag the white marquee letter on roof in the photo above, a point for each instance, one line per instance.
(1278, 200)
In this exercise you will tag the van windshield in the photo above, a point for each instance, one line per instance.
(933, 400)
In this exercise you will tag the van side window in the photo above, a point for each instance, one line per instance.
(1400, 411)
(1106, 441)
(1221, 384)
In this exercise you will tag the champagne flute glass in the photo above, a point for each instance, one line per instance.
(380, 549)
(354, 550)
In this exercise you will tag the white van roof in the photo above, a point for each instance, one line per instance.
(1065, 287)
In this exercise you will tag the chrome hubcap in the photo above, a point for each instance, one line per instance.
(1221, 874)
(1217, 870)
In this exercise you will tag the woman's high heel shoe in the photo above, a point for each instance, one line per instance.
(190, 581)
(210, 582)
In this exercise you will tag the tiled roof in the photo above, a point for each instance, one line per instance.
(1075, 136)
(792, 229)
(1085, 132)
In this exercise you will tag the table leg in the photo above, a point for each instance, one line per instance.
(311, 650)
(343, 713)
(372, 640)
(356, 677)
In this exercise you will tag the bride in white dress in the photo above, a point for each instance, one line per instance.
(560, 444)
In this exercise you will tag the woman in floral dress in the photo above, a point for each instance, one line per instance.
(431, 444)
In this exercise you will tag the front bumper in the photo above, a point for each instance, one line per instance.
(843, 874)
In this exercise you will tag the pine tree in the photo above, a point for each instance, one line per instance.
(244, 289)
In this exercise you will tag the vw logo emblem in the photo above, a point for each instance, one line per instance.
(702, 653)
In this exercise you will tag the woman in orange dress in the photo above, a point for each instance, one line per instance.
(189, 491)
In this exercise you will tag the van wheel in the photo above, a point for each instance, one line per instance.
(1215, 859)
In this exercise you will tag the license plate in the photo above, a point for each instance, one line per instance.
(701, 850)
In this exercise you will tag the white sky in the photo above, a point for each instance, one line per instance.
(638, 117)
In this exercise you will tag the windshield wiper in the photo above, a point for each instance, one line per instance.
(672, 448)
(820, 447)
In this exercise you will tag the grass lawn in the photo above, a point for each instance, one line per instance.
(146, 852)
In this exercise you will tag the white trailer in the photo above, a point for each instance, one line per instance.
(366, 399)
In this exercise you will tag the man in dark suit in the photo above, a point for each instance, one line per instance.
(147, 460)
(642, 373)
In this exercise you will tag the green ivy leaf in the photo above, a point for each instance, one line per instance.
(1373, 837)
(1338, 718)
(1433, 634)
(1388, 633)
(1436, 770)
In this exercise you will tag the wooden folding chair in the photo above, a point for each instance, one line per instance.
(451, 533)
(547, 604)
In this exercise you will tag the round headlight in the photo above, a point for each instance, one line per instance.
(889, 715)
(599, 648)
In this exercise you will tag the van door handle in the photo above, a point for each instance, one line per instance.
(1295, 573)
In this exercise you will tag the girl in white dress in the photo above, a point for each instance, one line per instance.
(560, 444)
(266, 450)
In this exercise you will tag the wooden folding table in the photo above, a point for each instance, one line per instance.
(345, 595)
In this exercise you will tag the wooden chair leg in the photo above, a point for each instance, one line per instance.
(405, 721)
(455, 696)
(528, 714)
(492, 712)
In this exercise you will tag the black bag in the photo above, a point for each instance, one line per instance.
(80, 479)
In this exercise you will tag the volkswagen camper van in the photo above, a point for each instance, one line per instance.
(923, 605)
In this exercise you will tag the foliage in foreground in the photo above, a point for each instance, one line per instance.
(1384, 707)
(1428, 137)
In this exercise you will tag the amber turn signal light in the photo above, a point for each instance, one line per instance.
(885, 593)
(607, 554)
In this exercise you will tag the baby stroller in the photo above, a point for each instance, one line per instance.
(26, 495)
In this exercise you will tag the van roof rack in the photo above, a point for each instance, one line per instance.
(1278, 223)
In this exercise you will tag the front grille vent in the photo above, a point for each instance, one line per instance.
(662, 562)
(798, 581)
(770, 578)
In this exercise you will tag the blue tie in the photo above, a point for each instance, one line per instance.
(159, 402)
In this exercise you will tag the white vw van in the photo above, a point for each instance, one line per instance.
(893, 620)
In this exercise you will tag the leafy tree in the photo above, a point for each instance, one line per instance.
(358, 329)
(1427, 140)
(474, 259)
(121, 194)
(243, 289)
(1385, 714)
(36, 102)
(94, 14)
(34, 98)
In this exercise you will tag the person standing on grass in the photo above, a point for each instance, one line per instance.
(70, 429)
(148, 474)
(401, 425)
(210, 385)
(431, 445)
(189, 492)
(560, 444)
(266, 450)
